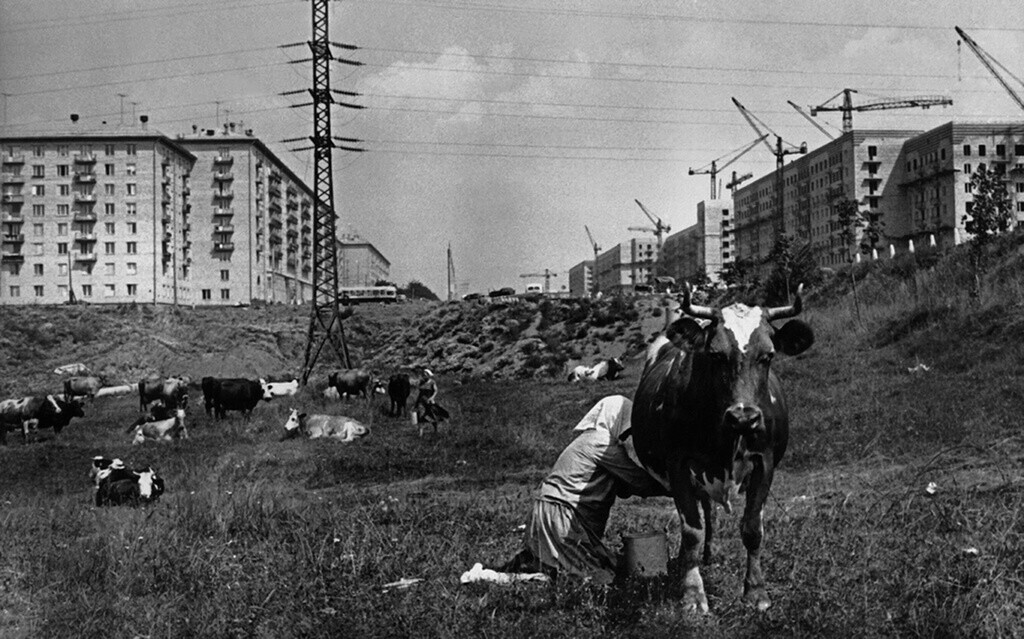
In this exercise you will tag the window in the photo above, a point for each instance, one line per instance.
(109, 290)
(1001, 150)
(1018, 149)
(109, 189)
(37, 248)
(38, 189)
(225, 275)
(132, 248)
(872, 152)
(37, 269)
(942, 154)
(38, 289)
(37, 230)
(108, 248)
(108, 169)
(63, 170)
(967, 169)
(133, 228)
(108, 149)
(86, 290)
(38, 210)
(130, 188)
(969, 206)
(109, 228)
(225, 293)
(981, 150)
(1020, 207)
(132, 268)
(62, 291)
(62, 248)
(132, 289)
(64, 189)
(15, 291)
(63, 210)
(62, 269)
(38, 170)
(37, 151)
(130, 149)
(62, 228)
(207, 294)
(62, 149)
(130, 208)
(129, 169)
(15, 269)
(108, 208)
(1020, 187)
(109, 269)
(873, 202)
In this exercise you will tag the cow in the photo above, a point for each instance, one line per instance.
(129, 487)
(351, 382)
(608, 369)
(279, 389)
(163, 430)
(709, 419)
(222, 395)
(173, 392)
(38, 411)
(342, 428)
(399, 389)
(82, 387)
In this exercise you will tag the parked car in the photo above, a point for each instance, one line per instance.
(501, 292)
(468, 297)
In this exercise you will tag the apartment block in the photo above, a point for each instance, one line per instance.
(104, 216)
(626, 265)
(709, 244)
(359, 262)
(581, 279)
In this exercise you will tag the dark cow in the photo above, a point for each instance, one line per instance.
(238, 394)
(81, 387)
(173, 392)
(352, 382)
(399, 389)
(608, 369)
(120, 486)
(40, 411)
(710, 418)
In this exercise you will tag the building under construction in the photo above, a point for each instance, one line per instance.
(707, 245)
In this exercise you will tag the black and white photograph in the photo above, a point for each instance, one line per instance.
(533, 319)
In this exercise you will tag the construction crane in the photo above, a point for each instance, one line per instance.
(660, 228)
(780, 154)
(547, 275)
(737, 180)
(597, 250)
(714, 168)
(824, 132)
(924, 102)
(991, 64)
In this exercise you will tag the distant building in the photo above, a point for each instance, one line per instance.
(359, 262)
(625, 265)
(581, 279)
(707, 245)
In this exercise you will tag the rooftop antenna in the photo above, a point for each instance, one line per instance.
(122, 96)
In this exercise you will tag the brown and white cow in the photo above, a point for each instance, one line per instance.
(37, 411)
(173, 391)
(709, 416)
(339, 427)
(163, 430)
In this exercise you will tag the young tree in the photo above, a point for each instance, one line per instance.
(739, 274)
(781, 260)
(990, 214)
(850, 220)
(418, 289)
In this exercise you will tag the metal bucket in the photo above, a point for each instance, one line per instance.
(645, 554)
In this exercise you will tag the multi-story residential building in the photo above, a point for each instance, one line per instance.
(359, 262)
(707, 245)
(581, 279)
(857, 165)
(625, 265)
(105, 215)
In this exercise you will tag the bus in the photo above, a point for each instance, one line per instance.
(366, 294)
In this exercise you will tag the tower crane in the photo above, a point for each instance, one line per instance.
(737, 180)
(923, 101)
(824, 132)
(780, 154)
(660, 228)
(991, 64)
(714, 168)
(547, 275)
(597, 250)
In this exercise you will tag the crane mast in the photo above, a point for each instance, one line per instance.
(597, 250)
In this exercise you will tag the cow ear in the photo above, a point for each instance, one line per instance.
(686, 332)
(793, 338)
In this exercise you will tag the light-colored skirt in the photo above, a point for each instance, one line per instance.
(561, 539)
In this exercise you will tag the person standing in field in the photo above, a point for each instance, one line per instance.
(426, 406)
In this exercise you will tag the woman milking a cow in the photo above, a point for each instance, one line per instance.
(565, 526)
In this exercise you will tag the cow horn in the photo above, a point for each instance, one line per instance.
(782, 312)
(692, 310)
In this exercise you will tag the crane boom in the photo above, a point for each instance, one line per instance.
(811, 120)
(990, 64)
(715, 168)
(847, 107)
(752, 121)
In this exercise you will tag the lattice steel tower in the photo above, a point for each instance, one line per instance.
(325, 316)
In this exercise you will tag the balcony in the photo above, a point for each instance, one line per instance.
(85, 158)
(85, 177)
(275, 239)
(224, 228)
(292, 233)
(224, 246)
(292, 205)
(11, 216)
(224, 211)
(275, 223)
(13, 198)
(12, 256)
(85, 197)
(223, 159)
(165, 179)
(13, 238)
(223, 176)
(83, 256)
(85, 216)
(292, 218)
(224, 195)
(274, 189)
(14, 159)
(12, 178)
(292, 262)
(85, 237)
(165, 196)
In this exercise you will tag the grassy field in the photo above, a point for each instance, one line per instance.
(261, 538)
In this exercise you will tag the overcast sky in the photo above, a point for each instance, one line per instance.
(505, 126)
